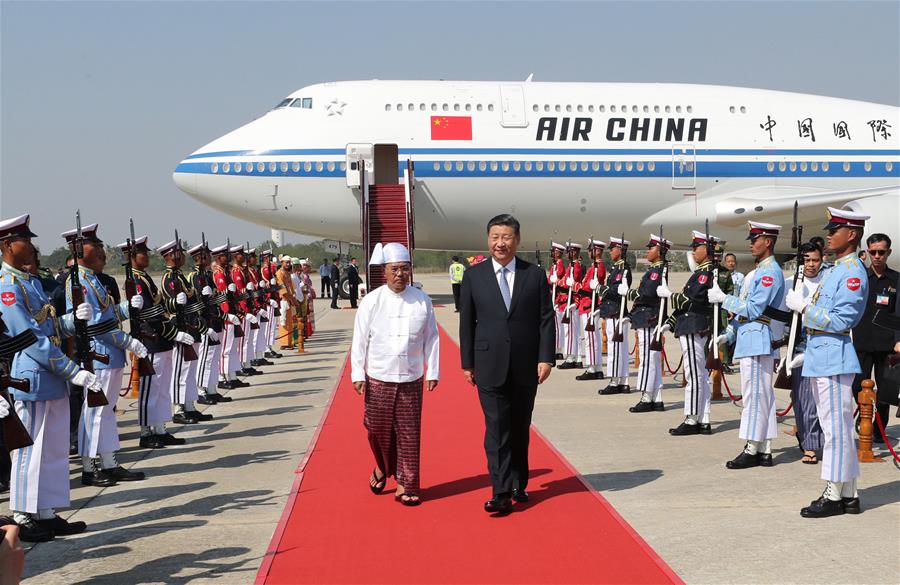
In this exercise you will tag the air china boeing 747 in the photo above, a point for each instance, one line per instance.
(568, 159)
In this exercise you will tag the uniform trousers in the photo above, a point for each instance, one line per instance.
(617, 352)
(229, 363)
(40, 473)
(572, 350)
(809, 431)
(696, 392)
(649, 380)
(98, 431)
(208, 363)
(183, 387)
(393, 417)
(758, 421)
(245, 347)
(154, 404)
(592, 345)
(262, 334)
(271, 328)
(560, 330)
(834, 404)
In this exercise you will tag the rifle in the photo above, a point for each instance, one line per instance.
(537, 254)
(713, 362)
(566, 319)
(15, 435)
(145, 366)
(553, 269)
(80, 344)
(589, 326)
(188, 353)
(258, 298)
(233, 307)
(656, 344)
(617, 335)
(203, 282)
(783, 374)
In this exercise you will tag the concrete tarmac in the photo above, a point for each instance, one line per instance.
(208, 509)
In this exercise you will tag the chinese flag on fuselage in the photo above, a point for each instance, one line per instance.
(451, 127)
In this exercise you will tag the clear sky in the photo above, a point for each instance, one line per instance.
(100, 100)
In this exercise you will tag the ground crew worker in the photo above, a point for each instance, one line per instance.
(456, 276)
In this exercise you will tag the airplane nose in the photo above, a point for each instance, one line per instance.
(186, 181)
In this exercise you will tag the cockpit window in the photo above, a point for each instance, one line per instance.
(305, 103)
(283, 103)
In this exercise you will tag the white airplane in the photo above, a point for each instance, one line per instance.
(567, 159)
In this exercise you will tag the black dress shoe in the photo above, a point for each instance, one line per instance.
(642, 407)
(197, 416)
(498, 505)
(684, 429)
(229, 385)
(567, 366)
(151, 442)
(743, 461)
(589, 376)
(183, 419)
(521, 496)
(624, 389)
(98, 478)
(823, 508)
(765, 459)
(61, 527)
(170, 439)
(31, 531)
(240, 383)
(611, 389)
(122, 474)
(207, 399)
(4, 487)
(220, 398)
(660, 407)
(265, 362)
(705, 428)
(851, 505)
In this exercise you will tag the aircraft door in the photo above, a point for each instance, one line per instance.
(386, 164)
(359, 153)
(684, 166)
(512, 106)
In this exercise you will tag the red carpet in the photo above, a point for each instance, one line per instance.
(335, 531)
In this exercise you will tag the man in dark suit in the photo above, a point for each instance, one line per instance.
(353, 280)
(335, 282)
(507, 341)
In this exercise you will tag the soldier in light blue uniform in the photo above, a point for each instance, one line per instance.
(754, 346)
(830, 361)
(40, 478)
(98, 433)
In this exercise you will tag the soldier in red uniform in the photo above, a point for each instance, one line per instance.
(588, 304)
(267, 271)
(556, 273)
(232, 332)
(248, 320)
(260, 300)
(567, 297)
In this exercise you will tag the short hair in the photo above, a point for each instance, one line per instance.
(353, 258)
(336, 260)
(810, 247)
(454, 258)
(504, 219)
(730, 254)
(876, 238)
(818, 242)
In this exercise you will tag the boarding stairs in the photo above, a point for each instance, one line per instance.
(387, 216)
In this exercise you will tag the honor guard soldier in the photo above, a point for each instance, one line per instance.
(754, 335)
(260, 297)
(249, 321)
(588, 305)
(830, 361)
(267, 271)
(188, 306)
(159, 336)
(210, 351)
(39, 483)
(692, 317)
(98, 432)
(645, 316)
(618, 281)
(232, 328)
(555, 274)
(567, 297)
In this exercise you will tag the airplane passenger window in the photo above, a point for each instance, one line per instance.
(781, 166)
(214, 167)
(260, 167)
(237, 167)
(411, 108)
(656, 109)
(584, 166)
(814, 166)
(319, 167)
(595, 166)
(803, 166)
(825, 167)
(651, 166)
(249, 167)
(743, 110)
(557, 107)
(580, 108)
(433, 107)
(606, 165)
(470, 166)
(490, 107)
(482, 166)
(330, 167)
(590, 108)
(307, 166)
(888, 166)
(793, 166)
(629, 166)
(307, 103)
(343, 167)
(731, 109)
(226, 167)
(573, 166)
(448, 166)
(770, 166)
(568, 107)
(624, 109)
(459, 165)
(421, 107)
(634, 109)
(668, 109)
(539, 166)
(678, 109)
(690, 109)
(505, 166)
(551, 166)
(468, 107)
(445, 107)
(295, 167)
(618, 166)
(562, 167)
(399, 107)
(846, 167)
(478, 107)
(493, 165)
(602, 108)
(517, 166)
(867, 166)
(646, 109)
(455, 107)
(271, 167)
(387, 107)
(437, 166)
(546, 107)
(534, 108)
(611, 108)
(284, 167)
(527, 166)
(640, 166)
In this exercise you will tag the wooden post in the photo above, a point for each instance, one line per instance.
(603, 332)
(134, 382)
(866, 401)
(637, 353)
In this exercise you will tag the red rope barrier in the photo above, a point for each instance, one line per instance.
(633, 350)
(727, 389)
(786, 410)
(885, 437)
(668, 367)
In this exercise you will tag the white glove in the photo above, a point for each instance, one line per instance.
(625, 320)
(251, 319)
(233, 319)
(663, 292)
(666, 328)
(250, 286)
(273, 282)
(622, 289)
(715, 295)
(206, 291)
(721, 340)
(137, 348)
(86, 380)
(273, 303)
(231, 287)
(84, 312)
(185, 338)
(262, 313)
(797, 361)
(4, 408)
(263, 284)
(594, 283)
(553, 278)
(137, 301)
(570, 282)
(212, 335)
(796, 300)
(181, 299)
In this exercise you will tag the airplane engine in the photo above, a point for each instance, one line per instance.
(884, 211)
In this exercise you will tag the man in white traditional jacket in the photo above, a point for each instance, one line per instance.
(395, 348)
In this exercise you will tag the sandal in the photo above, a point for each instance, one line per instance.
(810, 459)
(408, 499)
(375, 484)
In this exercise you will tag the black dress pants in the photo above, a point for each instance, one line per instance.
(507, 421)
(326, 287)
(456, 287)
